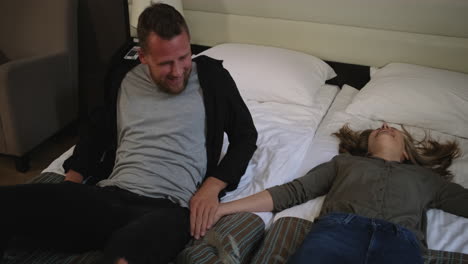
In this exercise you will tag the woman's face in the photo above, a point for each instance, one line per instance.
(389, 140)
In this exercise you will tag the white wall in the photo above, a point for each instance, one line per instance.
(367, 32)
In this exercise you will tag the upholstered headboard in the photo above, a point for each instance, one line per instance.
(365, 32)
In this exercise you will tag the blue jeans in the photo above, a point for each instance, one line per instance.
(349, 238)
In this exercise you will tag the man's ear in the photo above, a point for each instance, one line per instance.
(141, 56)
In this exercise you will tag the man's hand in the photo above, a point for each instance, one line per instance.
(203, 206)
(73, 176)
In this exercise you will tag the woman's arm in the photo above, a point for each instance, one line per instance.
(452, 198)
(259, 202)
(315, 183)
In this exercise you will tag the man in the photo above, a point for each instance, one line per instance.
(167, 178)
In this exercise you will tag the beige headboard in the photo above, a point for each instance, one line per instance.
(367, 32)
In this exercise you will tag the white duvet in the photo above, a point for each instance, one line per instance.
(444, 231)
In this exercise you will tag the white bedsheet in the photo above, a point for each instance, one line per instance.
(285, 132)
(444, 231)
(56, 165)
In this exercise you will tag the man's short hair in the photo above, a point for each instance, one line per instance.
(162, 19)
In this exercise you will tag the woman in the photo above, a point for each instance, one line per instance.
(377, 195)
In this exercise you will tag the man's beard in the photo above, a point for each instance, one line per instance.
(167, 88)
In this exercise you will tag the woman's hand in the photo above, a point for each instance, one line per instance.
(220, 212)
(259, 202)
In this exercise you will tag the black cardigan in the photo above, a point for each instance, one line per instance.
(94, 155)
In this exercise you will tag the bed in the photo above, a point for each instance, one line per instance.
(390, 92)
(294, 136)
(446, 233)
(294, 127)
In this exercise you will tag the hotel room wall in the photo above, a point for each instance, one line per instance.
(368, 32)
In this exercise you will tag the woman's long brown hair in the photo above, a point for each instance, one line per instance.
(427, 152)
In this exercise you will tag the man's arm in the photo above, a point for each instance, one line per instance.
(226, 112)
(242, 136)
(96, 135)
(97, 132)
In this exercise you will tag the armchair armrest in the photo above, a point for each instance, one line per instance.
(37, 97)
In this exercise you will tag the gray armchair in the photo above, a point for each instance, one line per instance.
(38, 72)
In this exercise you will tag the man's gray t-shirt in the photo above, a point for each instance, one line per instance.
(161, 139)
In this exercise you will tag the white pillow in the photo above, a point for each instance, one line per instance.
(418, 96)
(268, 74)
